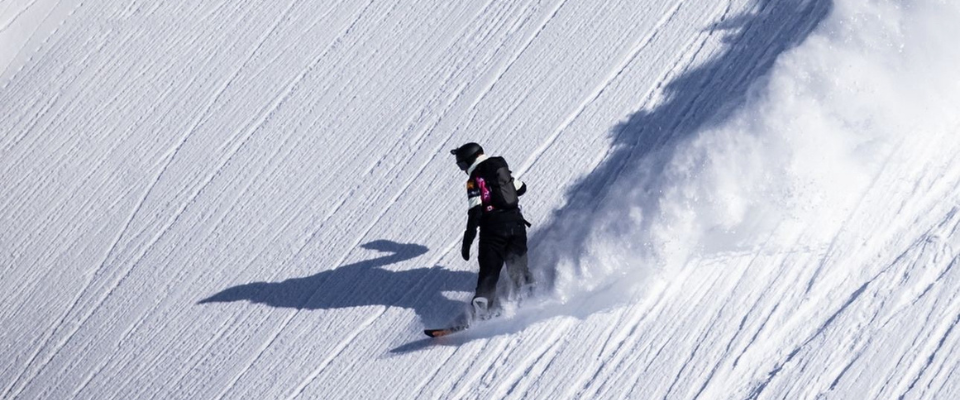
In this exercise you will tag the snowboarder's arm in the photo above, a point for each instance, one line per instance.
(473, 221)
(474, 203)
(519, 186)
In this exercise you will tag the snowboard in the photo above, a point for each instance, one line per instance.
(460, 324)
(435, 333)
(471, 317)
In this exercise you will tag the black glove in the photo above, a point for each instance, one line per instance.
(465, 250)
(468, 236)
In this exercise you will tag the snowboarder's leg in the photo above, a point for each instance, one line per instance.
(520, 276)
(516, 260)
(490, 256)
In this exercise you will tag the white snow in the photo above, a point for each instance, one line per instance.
(740, 199)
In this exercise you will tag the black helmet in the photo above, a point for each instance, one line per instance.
(467, 154)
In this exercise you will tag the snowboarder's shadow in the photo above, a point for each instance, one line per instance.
(364, 283)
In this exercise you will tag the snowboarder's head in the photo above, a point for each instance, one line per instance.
(467, 154)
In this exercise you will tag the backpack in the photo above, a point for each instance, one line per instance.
(503, 194)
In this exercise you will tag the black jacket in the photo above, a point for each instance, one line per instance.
(481, 213)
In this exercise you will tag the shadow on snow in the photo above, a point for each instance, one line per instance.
(364, 283)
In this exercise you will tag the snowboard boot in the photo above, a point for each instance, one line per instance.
(480, 308)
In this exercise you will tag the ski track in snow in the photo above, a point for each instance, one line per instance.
(169, 157)
(156, 155)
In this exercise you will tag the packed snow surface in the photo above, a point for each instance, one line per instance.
(730, 199)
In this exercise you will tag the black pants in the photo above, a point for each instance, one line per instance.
(506, 243)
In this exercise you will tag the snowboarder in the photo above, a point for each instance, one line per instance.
(493, 207)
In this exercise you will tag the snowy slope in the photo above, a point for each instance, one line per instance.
(743, 199)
